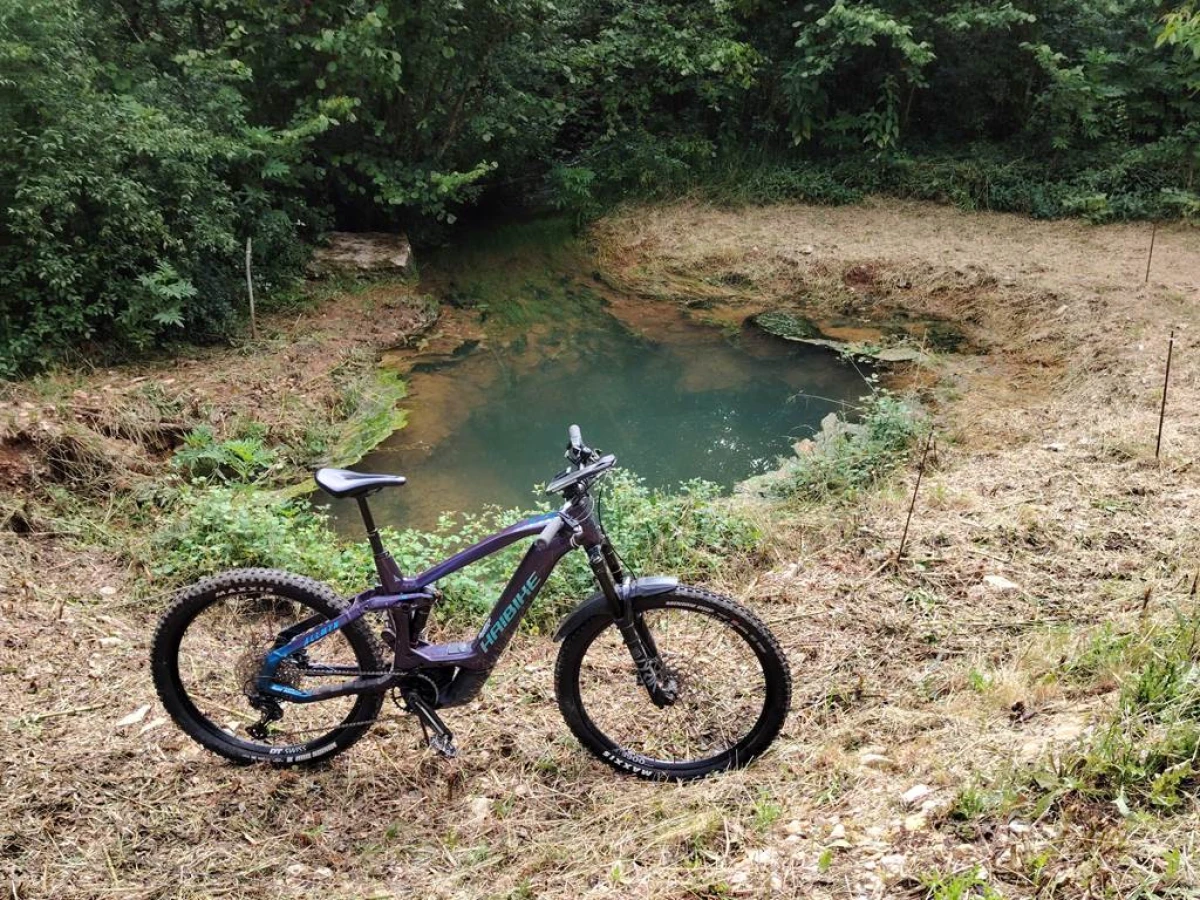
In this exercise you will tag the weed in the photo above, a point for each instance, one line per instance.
(958, 886)
(855, 456)
(1148, 753)
(766, 811)
(237, 459)
(690, 533)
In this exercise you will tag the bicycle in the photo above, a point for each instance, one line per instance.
(655, 678)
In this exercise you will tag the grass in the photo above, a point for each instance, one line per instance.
(856, 455)
(882, 655)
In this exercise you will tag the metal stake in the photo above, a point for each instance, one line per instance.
(250, 291)
(913, 503)
(1150, 256)
(1162, 410)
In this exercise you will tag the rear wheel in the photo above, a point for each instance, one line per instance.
(209, 649)
(732, 682)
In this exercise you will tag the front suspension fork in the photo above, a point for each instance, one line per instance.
(642, 649)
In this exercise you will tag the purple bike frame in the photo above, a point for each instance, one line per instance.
(474, 658)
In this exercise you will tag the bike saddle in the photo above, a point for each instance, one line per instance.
(344, 483)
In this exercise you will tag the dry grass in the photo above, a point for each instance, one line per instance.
(916, 674)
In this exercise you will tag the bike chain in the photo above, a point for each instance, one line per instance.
(355, 724)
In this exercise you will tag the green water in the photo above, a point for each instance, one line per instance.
(673, 399)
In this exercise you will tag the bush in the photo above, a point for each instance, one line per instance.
(858, 454)
(126, 193)
(691, 534)
(1148, 752)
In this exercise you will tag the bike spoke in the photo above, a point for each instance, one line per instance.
(221, 654)
(721, 690)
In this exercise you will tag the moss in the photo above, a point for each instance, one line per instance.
(375, 416)
(789, 325)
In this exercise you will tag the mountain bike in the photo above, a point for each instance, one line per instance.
(655, 678)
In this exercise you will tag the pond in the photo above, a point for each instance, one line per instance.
(534, 342)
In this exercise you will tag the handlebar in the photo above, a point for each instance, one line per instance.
(575, 437)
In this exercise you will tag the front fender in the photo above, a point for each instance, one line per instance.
(597, 604)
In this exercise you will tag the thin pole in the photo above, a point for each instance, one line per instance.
(913, 503)
(1150, 256)
(250, 291)
(1162, 410)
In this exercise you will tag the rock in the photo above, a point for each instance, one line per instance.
(481, 808)
(805, 447)
(893, 863)
(108, 590)
(916, 822)
(794, 827)
(916, 794)
(1054, 447)
(134, 717)
(808, 249)
(1016, 826)
(150, 726)
(323, 872)
(295, 870)
(875, 761)
(1000, 583)
(899, 354)
(838, 832)
(366, 252)
(763, 857)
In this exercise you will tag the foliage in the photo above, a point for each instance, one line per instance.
(690, 534)
(856, 455)
(142, 143)
(126, 192)
(237, 459)
(1146, 754)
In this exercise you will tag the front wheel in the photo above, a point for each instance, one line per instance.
(733, 688)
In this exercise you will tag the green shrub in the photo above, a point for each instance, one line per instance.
(1148, 752)
(237, 459)
(690, 533)
(858, 455)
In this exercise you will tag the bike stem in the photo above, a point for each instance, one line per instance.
(633, 630)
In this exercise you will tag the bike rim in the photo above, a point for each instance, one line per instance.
(220, 653)
(722, 690)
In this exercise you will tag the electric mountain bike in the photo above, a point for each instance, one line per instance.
(655, 678)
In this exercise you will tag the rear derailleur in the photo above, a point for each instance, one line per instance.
(271, 712)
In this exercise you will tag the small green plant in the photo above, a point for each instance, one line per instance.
(856, 455)
(237, 459)
(958, 886)
(766, 811)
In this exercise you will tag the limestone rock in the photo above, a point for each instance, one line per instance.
(1000, 583)
(361, 253)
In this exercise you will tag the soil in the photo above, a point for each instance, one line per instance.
(913, 680)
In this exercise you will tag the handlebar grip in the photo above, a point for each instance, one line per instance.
(575, 437)
(548, 533)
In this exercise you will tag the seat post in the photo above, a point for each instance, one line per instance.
(389, 572)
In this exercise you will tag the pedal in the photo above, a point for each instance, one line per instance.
(437, 735)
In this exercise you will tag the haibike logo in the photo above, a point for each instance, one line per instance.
(492, 632)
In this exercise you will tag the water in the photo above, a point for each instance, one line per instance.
(673, 399)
